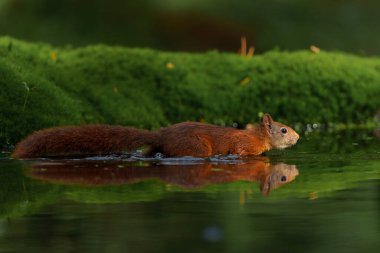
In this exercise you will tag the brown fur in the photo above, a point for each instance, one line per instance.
(82, 140)
(183, 139)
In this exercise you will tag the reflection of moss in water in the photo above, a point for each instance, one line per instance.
(44, 86)
(144, 191)
(20, 195)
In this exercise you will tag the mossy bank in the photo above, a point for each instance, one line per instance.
(42, 86)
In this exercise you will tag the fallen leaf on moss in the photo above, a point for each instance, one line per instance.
(169, 65)
(53, 56)
(314, 49)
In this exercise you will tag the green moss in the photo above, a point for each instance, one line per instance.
(42, 86)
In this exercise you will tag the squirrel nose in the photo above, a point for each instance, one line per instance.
(295, 138)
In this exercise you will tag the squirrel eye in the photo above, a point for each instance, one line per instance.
(284, 130)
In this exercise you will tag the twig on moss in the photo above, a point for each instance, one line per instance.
(27, 95)
(243, 48)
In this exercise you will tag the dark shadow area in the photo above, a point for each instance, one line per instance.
(187, 25)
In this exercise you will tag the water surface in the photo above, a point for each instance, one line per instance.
(323, 195)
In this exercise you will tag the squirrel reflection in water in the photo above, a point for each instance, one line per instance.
(95, 173)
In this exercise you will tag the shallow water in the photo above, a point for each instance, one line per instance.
(323, 195)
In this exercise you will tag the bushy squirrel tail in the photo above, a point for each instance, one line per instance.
(83, 140)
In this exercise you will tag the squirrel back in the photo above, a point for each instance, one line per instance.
(183, 139)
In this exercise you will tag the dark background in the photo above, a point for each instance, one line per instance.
(196, 25)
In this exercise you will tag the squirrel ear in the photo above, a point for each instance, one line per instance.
(267, 121)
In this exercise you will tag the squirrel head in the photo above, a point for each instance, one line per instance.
(281, 136)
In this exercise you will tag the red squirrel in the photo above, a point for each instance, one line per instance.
(182, 139)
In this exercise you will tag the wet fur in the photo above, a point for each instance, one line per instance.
(82, 140)
(183, 139)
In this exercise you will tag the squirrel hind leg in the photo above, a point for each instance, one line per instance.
(149, 150)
